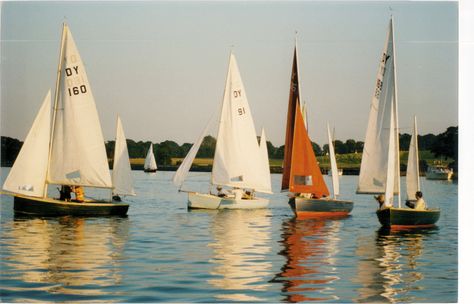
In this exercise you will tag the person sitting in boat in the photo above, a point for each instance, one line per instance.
(419, 204)
(117, 198)
(65, 193)
(79, 192)
(380, 199)
(248, 194)
(221, 192)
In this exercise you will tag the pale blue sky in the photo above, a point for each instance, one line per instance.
(162, 65)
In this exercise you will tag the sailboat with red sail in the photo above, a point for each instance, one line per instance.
(301, 173)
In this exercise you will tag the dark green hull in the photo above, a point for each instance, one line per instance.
(52, 207)
(320, 207)
(405, 217)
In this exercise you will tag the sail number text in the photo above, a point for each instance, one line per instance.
(74, 81)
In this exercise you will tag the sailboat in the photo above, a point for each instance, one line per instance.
(238, 159)
(122, 172)
(380, 167)
(301, 172)
(396, 217)
(65, 149)
(150, 163)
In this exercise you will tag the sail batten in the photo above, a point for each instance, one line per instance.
(78, 155)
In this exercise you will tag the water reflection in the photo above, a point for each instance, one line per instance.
(64, 255)
(241, 240)
(310, 248)
(389, 267)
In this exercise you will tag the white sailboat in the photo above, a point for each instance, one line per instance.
(122, 173)
(67, 150)
(150, 163)
(380, 167)
(238, 161)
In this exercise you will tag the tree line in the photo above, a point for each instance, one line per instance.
(441, 145)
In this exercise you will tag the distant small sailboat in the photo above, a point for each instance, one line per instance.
(122, 173)
(380, 167)
(238, 161)
(67, 149)
(439, 172)
(150, 163)
(407, 217)
(301, 172)
(333, 146)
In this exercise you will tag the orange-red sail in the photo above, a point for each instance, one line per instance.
(305, 174)
(290, 123)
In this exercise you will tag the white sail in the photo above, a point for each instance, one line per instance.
(389, 187)
(304, 111)
(122, 173)
(334, 170)
(78, 155)
(28, 174)
(413, 170)
(183, 170)
(265, 162)
(237, 161)
(150, 163)
(373, 170)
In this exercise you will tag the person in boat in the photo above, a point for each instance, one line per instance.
(221, 192)
(79, 192)
(419, 204)
(65, 193)
(380, 199)
(117, 198)
(248, 194)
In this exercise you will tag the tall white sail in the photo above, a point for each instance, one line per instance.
(237, 161)
(373, 170)
(150, 163)
(391, 175)
(265, 162)
(28, 174)
(183, 170)
(413, 170)
(78, 155)
(334, 170)
(122, 173)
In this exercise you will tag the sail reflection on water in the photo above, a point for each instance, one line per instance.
(310, 248)
(389, 268)
(66, 254)
(241, 243)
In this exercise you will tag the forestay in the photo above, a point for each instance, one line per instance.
(373, 171)
(334, 170)
(122, 173)
(78, 154)
(150, 163)
(413, 170)
(237, 160)
(28, 174)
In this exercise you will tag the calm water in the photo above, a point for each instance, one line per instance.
(163, 252)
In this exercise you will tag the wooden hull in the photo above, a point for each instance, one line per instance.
(52, 207)
(310, 207)
(209, 201)
(404, 217)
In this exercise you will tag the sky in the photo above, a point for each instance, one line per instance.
(162, 65)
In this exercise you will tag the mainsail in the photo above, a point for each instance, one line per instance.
(78, 155)
(373, 170)
(334, 170)
(28, 174)
(305, 174)
(290, 122)
(122, 173)
(413, 170)
(150, 163)
(237, 161)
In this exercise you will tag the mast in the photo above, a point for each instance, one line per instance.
(55, 106)
(395, 101)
